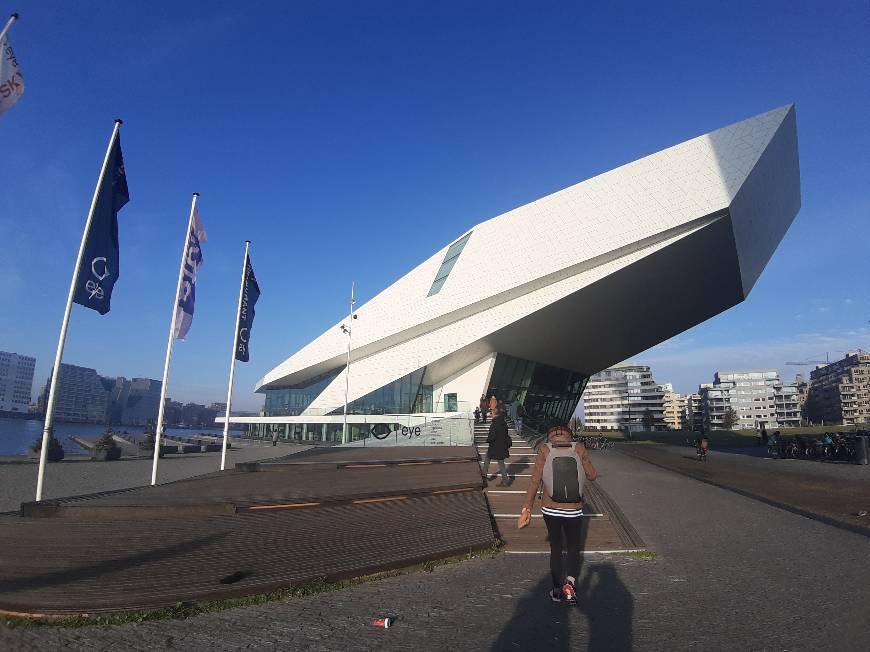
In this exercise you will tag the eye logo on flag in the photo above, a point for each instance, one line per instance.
(100, 264)
(187, 293)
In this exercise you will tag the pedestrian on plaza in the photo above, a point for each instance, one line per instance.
(499, 448)
(561, 465)
(483, 407)
(275, 438)
(476, 415)
(518, 418)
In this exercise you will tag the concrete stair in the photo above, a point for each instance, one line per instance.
(505, 503)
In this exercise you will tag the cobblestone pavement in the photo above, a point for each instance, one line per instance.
(835, 494)
(75, 478)
(731, 573)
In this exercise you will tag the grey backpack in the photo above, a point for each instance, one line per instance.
(563, 474)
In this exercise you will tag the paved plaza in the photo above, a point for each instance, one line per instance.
(80, 477)
(730, 572)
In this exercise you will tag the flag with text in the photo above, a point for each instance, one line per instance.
(187, 292)
(250, 294)
(11, 79)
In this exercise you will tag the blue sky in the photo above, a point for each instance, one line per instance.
(351, 140)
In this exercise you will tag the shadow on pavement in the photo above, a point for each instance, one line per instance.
(540, 624)
(608, 605)
(537, 624)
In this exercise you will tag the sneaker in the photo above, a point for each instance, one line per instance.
(569, 594)
(556, 595)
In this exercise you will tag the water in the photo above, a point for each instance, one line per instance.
(17, 435)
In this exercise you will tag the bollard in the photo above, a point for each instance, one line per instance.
(862, 450)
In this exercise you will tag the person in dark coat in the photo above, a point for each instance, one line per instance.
(483, 406)
(499, 447)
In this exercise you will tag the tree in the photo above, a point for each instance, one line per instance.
(729, 419)
(649, 421)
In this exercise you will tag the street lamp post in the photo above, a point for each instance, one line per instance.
(347, 331)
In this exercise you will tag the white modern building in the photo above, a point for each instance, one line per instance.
(625, 397)
(590, 268)
(16, 382)
(758, 398)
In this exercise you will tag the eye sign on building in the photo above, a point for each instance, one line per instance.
(383, 430)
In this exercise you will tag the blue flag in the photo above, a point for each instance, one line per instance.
(99, 267)
(187, 292)
(250, 294)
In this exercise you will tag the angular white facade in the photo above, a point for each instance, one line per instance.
(587, 280)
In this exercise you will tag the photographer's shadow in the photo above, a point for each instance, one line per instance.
(608, 605)
(539, 624)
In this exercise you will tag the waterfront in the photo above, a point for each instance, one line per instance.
(17, 435)
(82, 476)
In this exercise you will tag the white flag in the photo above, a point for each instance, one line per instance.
(187, 292)
(11, 79)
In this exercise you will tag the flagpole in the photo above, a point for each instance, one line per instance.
(171, 341)
(8, 24)
(58, 356)
(233, 358)
(347, 369)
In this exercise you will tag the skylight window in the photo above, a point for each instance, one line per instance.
(450, 259)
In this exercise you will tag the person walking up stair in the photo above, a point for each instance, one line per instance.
(499, 447)
(561, 465)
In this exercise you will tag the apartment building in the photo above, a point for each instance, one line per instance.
(759, 399)
(695, 409)
(675, 408)
(135, 402)
(16, 381)
(82, 395)
(839, 393)
(619, 398)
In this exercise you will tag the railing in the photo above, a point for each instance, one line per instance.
(424, 429)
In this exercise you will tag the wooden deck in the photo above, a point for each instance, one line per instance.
(239, 532)
(330, 513)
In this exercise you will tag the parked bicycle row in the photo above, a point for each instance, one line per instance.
(836, 446)
(594, 442)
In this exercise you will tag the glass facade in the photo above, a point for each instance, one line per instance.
(450, 259)
(407, 395)
(291, 401)
(548, 394)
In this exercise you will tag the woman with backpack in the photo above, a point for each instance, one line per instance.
(562, 466)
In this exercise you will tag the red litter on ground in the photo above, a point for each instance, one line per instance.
(385, 622)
